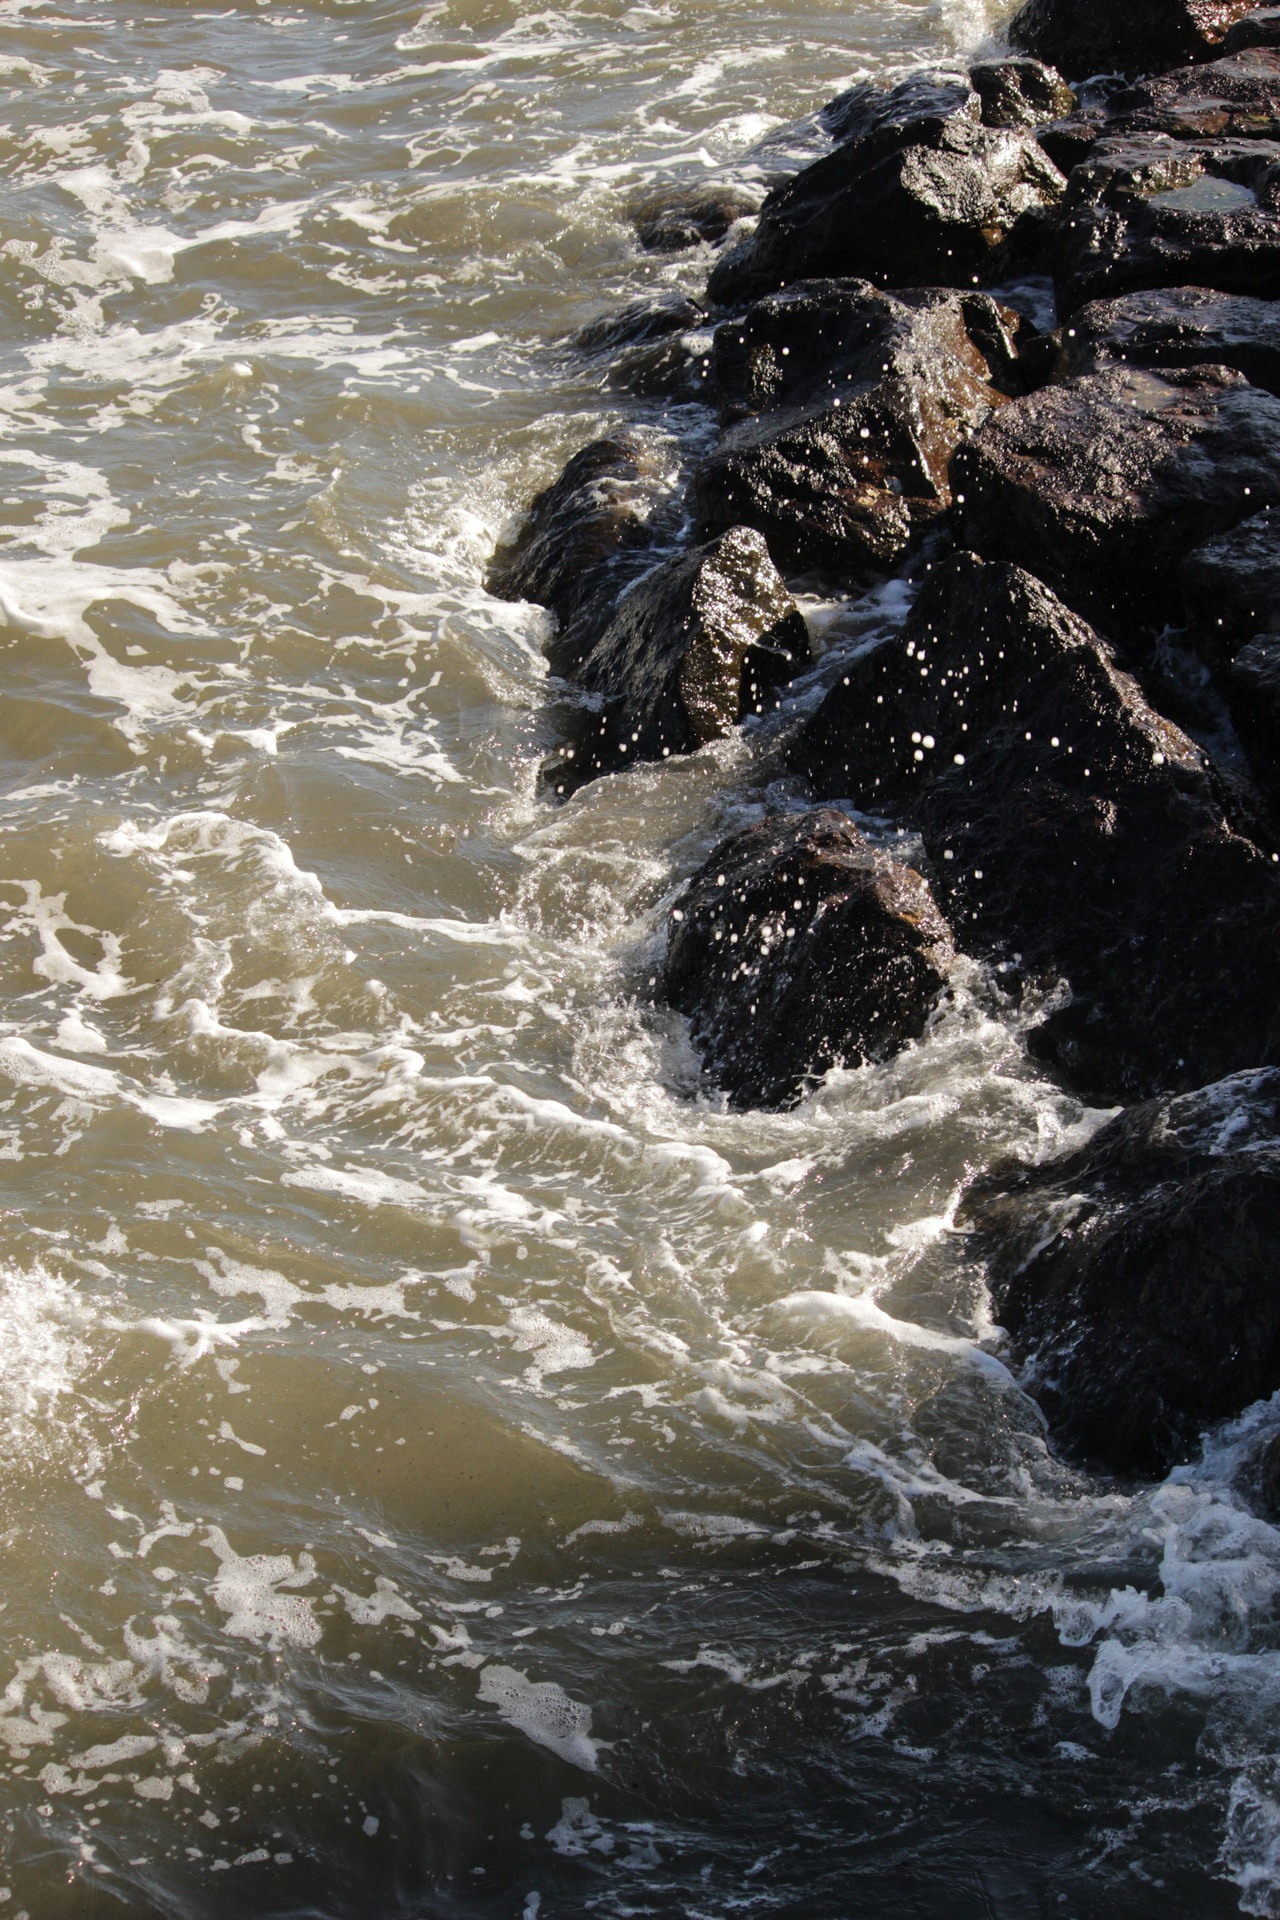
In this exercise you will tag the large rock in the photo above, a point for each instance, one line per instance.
(1261, 28)
(1069, 829)
(797, 947)
(919, 191)
(1102, 483)
(1137, 1279)
(848, 403)
(673, 219)
(1020, 93)
(1254, 692)
(1233, 98)
(1147, 210)
(693, 648)
(586, 535)
(1175, 327)
(1083, 37)
(1232, 585)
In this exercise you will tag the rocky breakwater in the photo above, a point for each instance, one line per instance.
(1078, 724)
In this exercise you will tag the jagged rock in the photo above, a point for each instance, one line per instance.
(585, 535)
(693, 648)
(1232, 584)
(1233, 98)
(919, 192)
(675, 219)
(798, 946)
(1261, 28)
(1137, 1278)
(1254, 690)
(1102, 483)
(1175, 327)
(641, 323)
(1067, 825)
(1020, 93)
(1081, 37)
(847, 404)
(1069, 141)
(1151, 211)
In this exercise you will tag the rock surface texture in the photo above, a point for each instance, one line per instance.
(1175, 327)
(1101, 484)
(1068, 826)
(585, 535)
(919, 192)
(1137, 1278)
(1081, 37)
(845, 405)
(693, 647)
(799, 946)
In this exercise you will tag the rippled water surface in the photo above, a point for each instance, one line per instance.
(448, 1465)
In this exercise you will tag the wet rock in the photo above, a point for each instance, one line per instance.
(1257, 1478)
(586, 534)
(798, 946)
(1137, 1278)
(919, 192)
(1081, 37)
(656, 348)
(1150, 211)
(1232, 98)
(1232, 585)
(847, 403)
(1254, 691)
(675, 219)
(1102, 484)
(1069, 141)
(1261, 28)
(640, 324)
(1020, 93)
(1175, 327)
(1070, 830)
(693, 648)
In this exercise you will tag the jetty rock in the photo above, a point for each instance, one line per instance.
(692, 648)
(1020, 93)
(797, 947)
(845, 404)
(919, 191)
(1101, 484)
(1174, 327)
(587, 534)
(1071, 832)
(1084, 37)
(1136, 1279)
(1146, 210)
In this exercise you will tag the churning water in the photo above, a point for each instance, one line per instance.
(449, 1467)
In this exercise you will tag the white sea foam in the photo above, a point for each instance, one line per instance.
(543, 1711)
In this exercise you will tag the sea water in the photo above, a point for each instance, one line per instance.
(450, 1464)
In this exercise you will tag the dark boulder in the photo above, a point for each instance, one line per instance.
(1231, 585)
(640, 324)
(1020, 93)
(1137, 1279)
(586, 535)
(1175, 327)
(848, 403)
(1254, 692)
(798, 947)
(1069, 828)
(919, 192)
(1082, 37)
(1151, 211)
(1103, 483)
(693, 648)
(675, 219)
(1234, 98)
(1261, 28)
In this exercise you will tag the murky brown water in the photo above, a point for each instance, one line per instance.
(448, 1468)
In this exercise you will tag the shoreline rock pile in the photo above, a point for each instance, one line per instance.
(1078, 723)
